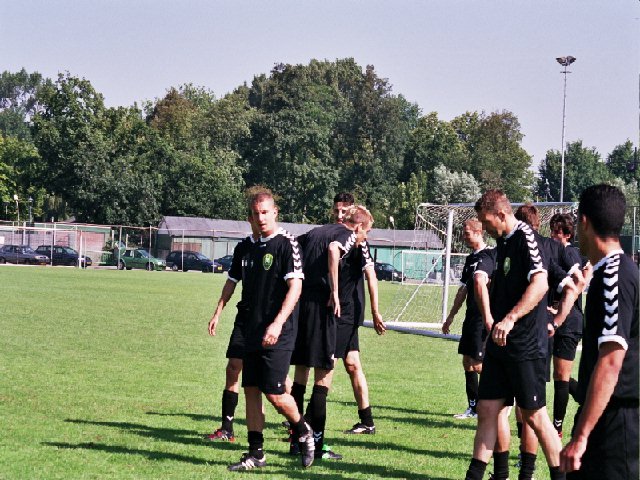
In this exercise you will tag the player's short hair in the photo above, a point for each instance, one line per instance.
(256, 194)
(358, 214)
(604, 206)
(528, 213)
(563, 222)
(344, 197)
(493, 200)
(474, 224)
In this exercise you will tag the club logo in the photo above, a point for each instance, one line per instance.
(267, 261)
(507, 266)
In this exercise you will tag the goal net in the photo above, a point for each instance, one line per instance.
(432, 267)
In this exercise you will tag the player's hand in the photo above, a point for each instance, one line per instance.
(445, 326)
(378, 324)
(271, 334)
(550, 330)
(334, 304)
(571, 455)
(581, 278)
(501, 330)
(213, 323)
(488, 324)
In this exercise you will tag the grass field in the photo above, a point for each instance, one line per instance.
(110, 374)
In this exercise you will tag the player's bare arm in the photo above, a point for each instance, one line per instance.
(334, 262)
(532, 296)
(603, 381)
(459, 299)
(481, 292)
(273, 331)
(227, 292)
(372, 285)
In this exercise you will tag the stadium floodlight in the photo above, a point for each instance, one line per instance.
(565, 62)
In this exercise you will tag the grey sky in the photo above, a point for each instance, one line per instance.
(448, 56)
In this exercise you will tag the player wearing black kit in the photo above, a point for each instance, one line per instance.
(272, 284)
(515, 359)
(316, 344)
(235, 349)
(604, 442)
(474, 333)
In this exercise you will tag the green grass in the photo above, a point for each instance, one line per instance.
(109, 374)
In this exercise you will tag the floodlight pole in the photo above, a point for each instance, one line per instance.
(565, 62)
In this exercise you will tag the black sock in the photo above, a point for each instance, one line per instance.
(501, 465)
(560, 400)
(573, 387)
(256, 441)
(476, 470)
(229, 404)
(556, 474)
(317, 413)
(471, 383)
(297, 392)
(527, 465)
(519, 427)
(366, 417)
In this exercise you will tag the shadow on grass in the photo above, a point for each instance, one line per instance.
(432, 423)
(149, 454)
(192, 416)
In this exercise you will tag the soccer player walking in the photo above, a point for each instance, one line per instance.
(604, 441)
(515, 359)
(471, 345)
(273, 282)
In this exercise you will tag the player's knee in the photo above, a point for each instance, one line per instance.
(276, 400)
(234, 369)
(352, 364)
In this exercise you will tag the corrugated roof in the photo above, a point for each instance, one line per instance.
(236, 229)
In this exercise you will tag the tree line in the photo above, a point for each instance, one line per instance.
(305, 131)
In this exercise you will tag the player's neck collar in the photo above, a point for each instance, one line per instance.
(604, 259)
(516, 227)
(277, 232)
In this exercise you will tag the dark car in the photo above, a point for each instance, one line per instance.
(225, 262)
(22, 254)
(64, 256)
(188, 260)
(386, 271)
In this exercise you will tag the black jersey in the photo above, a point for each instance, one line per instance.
(315, 245)
(239, 262)
(471, 264)
(351, 282)
(270, 263)
(611, 315)
(518, 257)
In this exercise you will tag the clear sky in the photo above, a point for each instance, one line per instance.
(448, 56)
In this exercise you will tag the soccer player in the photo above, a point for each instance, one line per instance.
(320, 306)
(567, 336)
(474, 333)
(515, 358)
(235, 349)
(272, 284)
(604, 441)
(349, 347)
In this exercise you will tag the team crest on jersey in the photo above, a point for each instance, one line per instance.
(507, 266)
(267, 261)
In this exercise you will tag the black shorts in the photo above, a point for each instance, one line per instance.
(472, 340)
(565, 345)
(612, 447)
(316, 340)
(266, 369)
(508, 379)
(235, 349)
(346, 339)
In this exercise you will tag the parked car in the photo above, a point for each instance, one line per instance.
(64, 255)
(386, 271)
(188, 260)
(139, 258)
(22, 254)
(225, 262)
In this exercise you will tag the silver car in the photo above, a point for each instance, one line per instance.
(22, 254)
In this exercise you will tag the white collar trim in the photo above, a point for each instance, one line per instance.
(603, 260)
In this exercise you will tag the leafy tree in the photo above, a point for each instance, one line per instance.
(622, 162)
(452, 187)
(582, 167)
(18, 102)
(497, 159)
